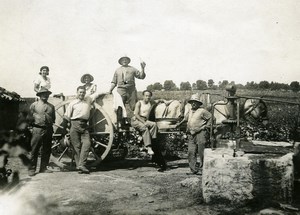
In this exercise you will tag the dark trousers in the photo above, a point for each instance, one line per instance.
(158, 158)
(41, 139)
(81, 142)
(196, 145)
(129, 96)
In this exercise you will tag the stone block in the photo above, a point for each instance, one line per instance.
(260, 177)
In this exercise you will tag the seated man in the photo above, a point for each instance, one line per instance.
(141, 122)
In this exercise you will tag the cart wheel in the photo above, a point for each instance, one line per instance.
(101, 133)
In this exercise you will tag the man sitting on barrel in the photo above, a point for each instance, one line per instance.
(141, 122)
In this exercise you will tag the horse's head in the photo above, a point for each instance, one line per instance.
(255, 110)
(169, 109)
(221, 112)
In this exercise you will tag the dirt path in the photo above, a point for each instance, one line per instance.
(123, 187)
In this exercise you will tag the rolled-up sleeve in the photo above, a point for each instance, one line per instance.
(68, 113)
(115, 78)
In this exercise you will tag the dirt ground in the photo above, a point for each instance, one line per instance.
(130, 186)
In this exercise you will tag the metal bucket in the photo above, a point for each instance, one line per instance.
(166, 123)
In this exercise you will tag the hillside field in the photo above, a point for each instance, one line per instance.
(169, 95)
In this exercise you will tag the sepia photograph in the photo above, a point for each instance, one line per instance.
(141, 107)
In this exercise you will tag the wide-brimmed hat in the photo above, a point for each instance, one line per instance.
(83, 77)
(196, 98)
(43, 90)
(123, 58)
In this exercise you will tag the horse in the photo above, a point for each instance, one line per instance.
(176, 109)
(252, 110)
(169, 109)
(167, 113)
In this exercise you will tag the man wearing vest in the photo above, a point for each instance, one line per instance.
(141, 122)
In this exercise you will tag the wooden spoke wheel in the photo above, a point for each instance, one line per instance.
(101, 132)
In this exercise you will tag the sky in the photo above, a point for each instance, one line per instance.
(180, 40)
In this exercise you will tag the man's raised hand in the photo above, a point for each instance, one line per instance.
(143, 65)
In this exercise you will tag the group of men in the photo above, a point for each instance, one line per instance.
(78, 113)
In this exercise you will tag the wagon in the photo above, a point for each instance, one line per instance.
(106, 137)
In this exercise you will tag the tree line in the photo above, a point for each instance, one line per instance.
(169, 85)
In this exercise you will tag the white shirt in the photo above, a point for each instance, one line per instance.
(90, 89)
(118, 102)
(80, 109)
(41, 82)
(144, 109)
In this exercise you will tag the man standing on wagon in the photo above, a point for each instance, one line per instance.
(198, 120)
(44, 116)
(124, 79)
(78, 113)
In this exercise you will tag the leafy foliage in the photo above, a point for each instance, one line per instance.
(264, 85)
(201, 85)
(210, 83)
(295, 86)
(185, 86)
(156, 86)
(170, 85)
(223, 84)
(270, 132)
(174, 144)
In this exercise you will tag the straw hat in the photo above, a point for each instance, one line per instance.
(196, 98)
(43, 90)
(123, 58)
(83, 77)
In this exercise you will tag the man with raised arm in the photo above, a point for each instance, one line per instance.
(124, 80)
